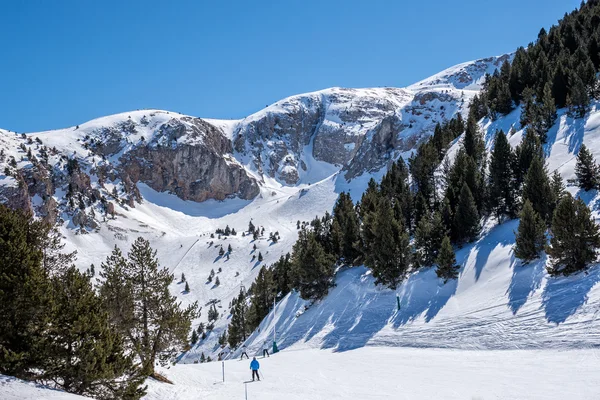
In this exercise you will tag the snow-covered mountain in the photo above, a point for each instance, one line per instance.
(175, 179)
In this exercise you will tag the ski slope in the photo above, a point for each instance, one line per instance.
(392, 373)
(16, 389)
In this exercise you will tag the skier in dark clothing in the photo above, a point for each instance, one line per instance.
(254, 366)
(244, 353)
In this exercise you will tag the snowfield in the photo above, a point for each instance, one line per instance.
(393, 373)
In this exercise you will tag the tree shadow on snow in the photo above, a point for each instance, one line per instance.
(423, 292)
(525, 280)
(563, 296)
(576, 133)
(486, 245)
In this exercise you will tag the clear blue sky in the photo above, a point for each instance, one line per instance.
(64, 62)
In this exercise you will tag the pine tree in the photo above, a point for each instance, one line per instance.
(345, 230)
(575, 237)
(187, 288)
(531, 235)
(312, 267)
(558, 190)
(86, 355)
(262, 298)
(221, 251)
(466, 224)
(529, 148)
(260, 257)
(151, 318)
(502, 199)
(182, 277)
(537, 189)
(238, 326)
(446, 261)
(429, 234)
(213, 314)
(217, 281)
(229, 249)
(195, 338)
(388, 256)
(586, 169)
(25, 295)
(202, 358)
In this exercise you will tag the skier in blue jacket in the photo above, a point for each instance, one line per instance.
(254, 366)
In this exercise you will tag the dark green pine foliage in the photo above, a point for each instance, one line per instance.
(501, 188)
(465, 171)
(194, 338)
(560, 67)
(262, 298)
(537, 189)
(238, 327)
(85, 354)
(282, 275)
(388, 256)
(25, 296)
(394, 185)
(446, 261)
(428, 239)
(466, 225)
(422, 167)
(312, 267)
(586, 169)
(473, 142)
(529, 148)
(149, 317)
(531, 235)
(557, 187)
(345, 230)
(575, 237)
(369, 200)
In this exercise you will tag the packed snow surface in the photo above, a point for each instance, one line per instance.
(16, 389)
(392, 373)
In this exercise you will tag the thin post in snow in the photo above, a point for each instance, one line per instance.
(246, 389)
(223, 364)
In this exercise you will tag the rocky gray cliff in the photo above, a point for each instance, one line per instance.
(298, 140)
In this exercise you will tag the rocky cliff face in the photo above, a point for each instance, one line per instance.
(300, 139)
(198, 168)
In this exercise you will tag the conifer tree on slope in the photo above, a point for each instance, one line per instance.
(466, 224)
(312, 267)
(502, 198)
(586, 169)
(86, 354)
(262, 297)
(388, 256)
(345, 230)
(537, 189)
(473, 142)
(557, 188)
(446, 261)
(531, 235)
(238, 326)
(24, 294)
(150, 317)
(428, 238)
(575, 237)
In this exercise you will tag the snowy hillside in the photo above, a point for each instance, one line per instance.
(497, 303)
(155, 162)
